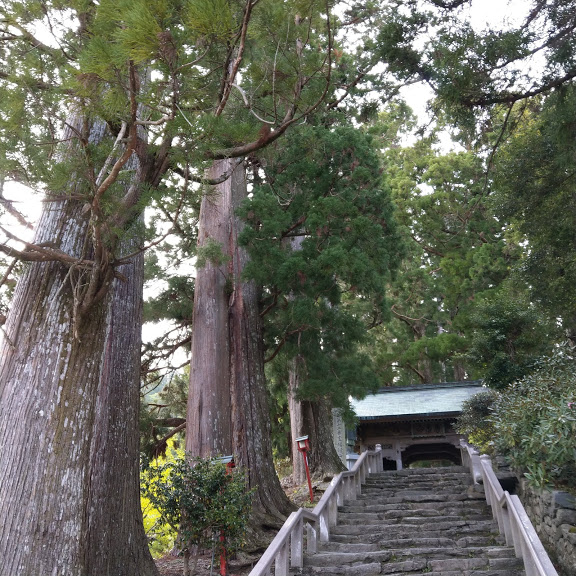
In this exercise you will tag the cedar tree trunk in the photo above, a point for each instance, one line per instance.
(116, 544)
(227, 406)
(312, 419)
(69, 500)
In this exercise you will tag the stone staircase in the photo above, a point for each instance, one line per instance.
(421, 521)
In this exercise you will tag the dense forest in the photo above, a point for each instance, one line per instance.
(245, 180)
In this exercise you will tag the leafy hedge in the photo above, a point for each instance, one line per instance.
(535, 423)
(475, 420)
(532, 422)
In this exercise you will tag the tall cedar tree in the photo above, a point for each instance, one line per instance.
(323, 243)
(457, 253)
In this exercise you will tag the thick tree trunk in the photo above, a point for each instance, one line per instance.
(209, 414)
(228, 408)
(69, 499)
(115, 523)
(312, 419)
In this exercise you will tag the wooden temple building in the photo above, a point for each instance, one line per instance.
(410, 424)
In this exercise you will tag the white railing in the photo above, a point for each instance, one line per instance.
(308, 526)
(513, 522)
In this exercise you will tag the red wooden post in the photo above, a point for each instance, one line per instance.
(303, 446)
(229, 461)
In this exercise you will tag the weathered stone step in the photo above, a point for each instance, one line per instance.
(470, 542)
(465, 505)
(402, 478)
(452, 506)
(376, 568)
(416, 486)
(348, 554)
(439, 488)
(387, 490)
(419, 472)
(419, 475)
(375, 533)
(440, 567)
(409, 518)
(508, 566)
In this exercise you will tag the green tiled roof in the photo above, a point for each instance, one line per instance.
(416, 400)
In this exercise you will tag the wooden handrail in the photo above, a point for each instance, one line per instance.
(513, 522)
(287, 548)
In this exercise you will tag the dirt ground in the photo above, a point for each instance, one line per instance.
(174, 566)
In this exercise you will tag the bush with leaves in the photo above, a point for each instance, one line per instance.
(202, 499)
(535, 422)
(475, 420)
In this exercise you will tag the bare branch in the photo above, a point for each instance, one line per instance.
(8, 205)
(243, 93)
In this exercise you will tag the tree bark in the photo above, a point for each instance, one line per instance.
(312, 419)
(228, 405)
(69, 498)
(115, 523)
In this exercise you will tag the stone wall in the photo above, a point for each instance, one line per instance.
(553, 515)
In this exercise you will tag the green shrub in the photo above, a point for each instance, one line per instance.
(535, 423)
(475, 420)
(200, 499)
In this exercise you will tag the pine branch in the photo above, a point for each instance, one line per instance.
(232, 70)
(290, 117)
(32, 40)
(42, 253)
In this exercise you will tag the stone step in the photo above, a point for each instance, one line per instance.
(399, 478)
(412, 567)
(407, 503)
(422, 488)
(507, 566)
(376, 568)
(384, 489)
(376, 533)
(420, 472)
(414, 543)
(410, 518)
(412, 522)
(400, 555)
(418, 476)
(390, 490)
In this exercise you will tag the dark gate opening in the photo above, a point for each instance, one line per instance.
(432, 453)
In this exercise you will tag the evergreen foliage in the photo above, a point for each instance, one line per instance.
(535, 193)
(510, 336)
(201, 499)
(475, 421)
(534, 422)
(457, 251)
(323, 243)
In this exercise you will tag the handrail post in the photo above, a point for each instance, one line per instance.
(281, 567)
(311, 538)
(297, 545)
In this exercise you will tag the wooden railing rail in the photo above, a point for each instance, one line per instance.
(507, 510)
(308, 526)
